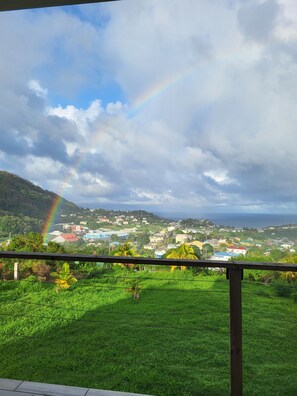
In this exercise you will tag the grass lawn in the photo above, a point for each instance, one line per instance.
(173, 341)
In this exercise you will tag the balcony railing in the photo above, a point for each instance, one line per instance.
(234, 273)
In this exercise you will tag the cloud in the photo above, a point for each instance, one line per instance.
(207, 114)
(257, 20)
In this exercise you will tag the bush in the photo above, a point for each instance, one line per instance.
(63, 278)
(6, 270)
(41, 270)
(283, 289)
(28, 285)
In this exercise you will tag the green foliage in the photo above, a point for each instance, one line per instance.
(282, 289)
(125, 249)
(197, 251)
(133, 288)
(10, 224)
(277, 255)
(207, 250)
(195, 223)
(6, 269)
(64, 278)
(142, 239)
(183, 251)
(32, 242)
(28, 285)
(41, 270)
(200, 237)
(54, 247)
(20, 197)
(261, 276)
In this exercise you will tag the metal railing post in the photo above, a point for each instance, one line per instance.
(235, 276)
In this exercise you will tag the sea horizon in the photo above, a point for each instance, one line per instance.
(237, 220)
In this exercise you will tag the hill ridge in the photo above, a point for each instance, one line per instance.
(21, 197)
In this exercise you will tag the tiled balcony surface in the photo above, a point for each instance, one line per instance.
(25, 388)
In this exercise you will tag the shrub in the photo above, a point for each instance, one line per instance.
(41, 270)
(282, 289)
(29, 284)
(64, 278)
(289, 276)
(133, 288)
(6, 270)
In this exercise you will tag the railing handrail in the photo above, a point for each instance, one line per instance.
(12, 5)
(150, 261)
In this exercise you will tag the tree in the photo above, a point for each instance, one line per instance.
(114, 238)
(197, 251)
(54, 247)
(289, 276)
(143, 239)
(207, 250)
(125, 250)
(185, 252)
(31, 242)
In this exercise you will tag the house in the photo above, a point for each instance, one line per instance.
(55, 233)
(198, 244)
(160, 253)
(182, 238)
(70, 238)
(171, 246)
(223, 256)
(150, 246)
(76, 228)
(156, 238)
(237, 250)
(105, 235)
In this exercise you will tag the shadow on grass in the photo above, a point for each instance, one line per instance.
(173, 341)
(269, 347)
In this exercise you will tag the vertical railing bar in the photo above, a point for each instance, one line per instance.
(235, 277)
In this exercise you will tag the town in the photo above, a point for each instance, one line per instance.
(153, 236)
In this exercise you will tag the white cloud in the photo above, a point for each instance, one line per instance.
(37, 89)
(210, 117)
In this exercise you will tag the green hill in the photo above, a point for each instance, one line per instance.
(22, 200)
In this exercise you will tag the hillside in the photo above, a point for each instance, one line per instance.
(20, 197)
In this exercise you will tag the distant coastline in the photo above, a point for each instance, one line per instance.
(238, 220)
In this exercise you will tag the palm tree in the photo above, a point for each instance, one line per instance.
(185, 252)
(125, 250)
(289, 259)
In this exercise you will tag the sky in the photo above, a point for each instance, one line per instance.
(172, 105)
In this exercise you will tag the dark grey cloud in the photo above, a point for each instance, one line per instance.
(257, 21)
(202, 47)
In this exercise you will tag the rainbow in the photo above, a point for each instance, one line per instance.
(57, 200)
(159, 88)
(51, 216)
(140, 102)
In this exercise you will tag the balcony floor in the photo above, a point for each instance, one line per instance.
(25, 388)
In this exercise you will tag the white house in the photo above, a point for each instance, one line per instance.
(182, 238)
(223, 256)
(237, 250)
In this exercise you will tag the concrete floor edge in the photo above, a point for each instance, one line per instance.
(12, 387)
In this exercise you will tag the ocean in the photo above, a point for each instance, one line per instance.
(239, 220)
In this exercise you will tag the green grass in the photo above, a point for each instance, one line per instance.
(173, 341)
